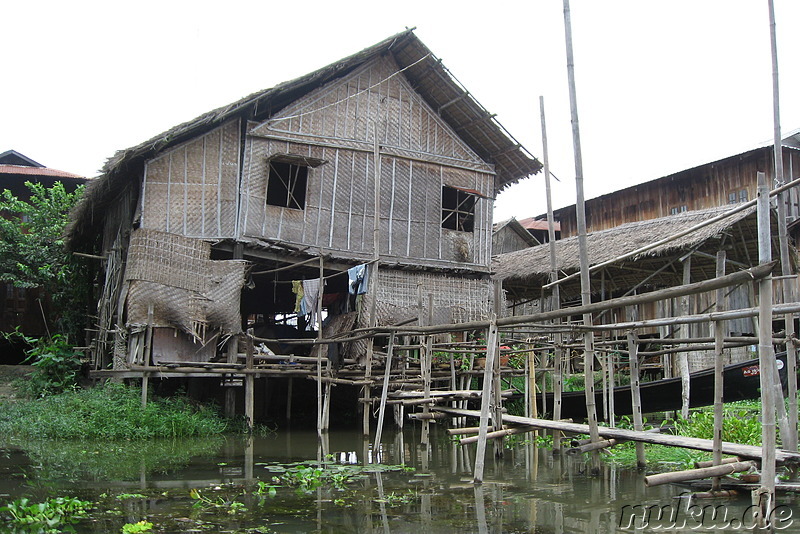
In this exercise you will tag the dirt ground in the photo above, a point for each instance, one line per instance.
(9, 373)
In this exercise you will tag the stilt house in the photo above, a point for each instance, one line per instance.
(382, 160)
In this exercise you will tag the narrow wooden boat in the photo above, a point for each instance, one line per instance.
(741, 381)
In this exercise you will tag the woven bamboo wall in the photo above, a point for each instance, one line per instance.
(192, 189)
(420, 154)
(174, 283)
(455, 300)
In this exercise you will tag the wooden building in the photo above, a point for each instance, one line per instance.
(510, 235)
(382, 159)
(25, 308)
(729, 180)
(525, 274)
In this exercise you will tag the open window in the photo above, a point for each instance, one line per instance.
(458, 209)
(287, 180)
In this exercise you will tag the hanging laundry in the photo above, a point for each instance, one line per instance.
(359, 279)
(297, 289)
(311, 298)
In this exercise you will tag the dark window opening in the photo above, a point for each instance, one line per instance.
(286, 185)
(458, 209)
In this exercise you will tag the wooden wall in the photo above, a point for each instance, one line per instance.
(703, 187)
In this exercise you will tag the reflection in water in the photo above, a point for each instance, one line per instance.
(528, 490)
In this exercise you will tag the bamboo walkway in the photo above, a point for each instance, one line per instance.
(743, 451)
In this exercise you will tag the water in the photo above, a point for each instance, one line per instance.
(428, 489)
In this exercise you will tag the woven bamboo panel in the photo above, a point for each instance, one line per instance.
(377, 94)
(176, 193)
(195, 190)
(168, 259)
(455, 299)
(173, 278)
(229, 186)
(155, 201)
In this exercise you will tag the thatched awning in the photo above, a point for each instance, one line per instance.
(471, 121)
(525, 271)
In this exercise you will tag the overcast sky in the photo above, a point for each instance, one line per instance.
(661, 85)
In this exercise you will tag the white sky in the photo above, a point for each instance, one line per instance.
(661, 86)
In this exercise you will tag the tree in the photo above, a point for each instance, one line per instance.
(32, 252)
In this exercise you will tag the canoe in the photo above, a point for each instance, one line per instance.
(741, 381)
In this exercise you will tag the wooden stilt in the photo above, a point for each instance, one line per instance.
(636, 396)
(694, 474)
(491, 346)
(385, 390)
(766, 355)
(289, 386)
(145, 385)
(719, 354)
(230, 392)
(249, 385)
(683, 356)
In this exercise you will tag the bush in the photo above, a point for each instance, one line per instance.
(111, 411)
(57, 365)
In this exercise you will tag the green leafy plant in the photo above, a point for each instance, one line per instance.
(50, 514)
(231, 506)
(57, 364)
(32, 252)
(136, 528)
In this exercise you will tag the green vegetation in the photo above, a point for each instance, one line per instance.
(57, 365)
(741, 424)
(47, 516)
(32, 253)
(136, 528)
(307, 476)
(110, 412)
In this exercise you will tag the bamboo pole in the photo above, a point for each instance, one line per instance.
(373, 276)
(636, 395)
(249, 385)
(320, 411)
(694, 474)
(495, 434)
(580, 208)
(719, 333)
(683, 356)
(384, 391)
(734, 449)
(766, 355)
(555, 298)
(480, 454)
(789, 429)
(145, 381)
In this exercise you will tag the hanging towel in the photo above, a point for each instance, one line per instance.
(311, 298)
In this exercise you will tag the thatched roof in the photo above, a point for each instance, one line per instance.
(471, 121)
(525, 271)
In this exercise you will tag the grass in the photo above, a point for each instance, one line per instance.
(108, 412)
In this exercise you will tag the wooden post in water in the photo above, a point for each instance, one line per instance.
(320, 412)
(719, 354)
(766, 356)
(683, 356)
(491, 352)
(249, 384)
(789, 429)
(555, 296)
(636, 395)
(586, 296)
(145, 380)
(384, 391)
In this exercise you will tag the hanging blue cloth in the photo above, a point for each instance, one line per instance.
(359, 279)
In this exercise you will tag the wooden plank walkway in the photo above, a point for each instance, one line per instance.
(743, 451)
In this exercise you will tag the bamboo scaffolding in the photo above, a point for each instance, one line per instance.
(735, 449)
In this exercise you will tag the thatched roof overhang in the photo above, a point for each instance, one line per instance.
(524, 272)
(440, 89)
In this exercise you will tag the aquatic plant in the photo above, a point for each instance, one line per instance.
(137, 528)
(47, 515)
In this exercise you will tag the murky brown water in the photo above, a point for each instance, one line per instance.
(527, 490)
